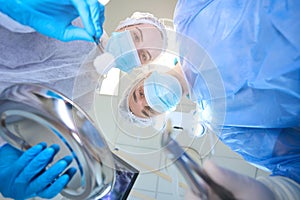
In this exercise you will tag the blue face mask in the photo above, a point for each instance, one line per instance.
(122, 47)
(162, 92)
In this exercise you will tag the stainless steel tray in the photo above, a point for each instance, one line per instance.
(31, 114)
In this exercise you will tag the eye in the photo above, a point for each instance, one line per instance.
(141, 93)
(148, 108)
(151, 110)
(144, 56)
(136, 38)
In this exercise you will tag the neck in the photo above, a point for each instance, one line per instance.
(177, 73)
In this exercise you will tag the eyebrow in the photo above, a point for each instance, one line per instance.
(150, 109)
(135, 100)
(145, 113)
(134, 96)
(150, 57)
(141, 33)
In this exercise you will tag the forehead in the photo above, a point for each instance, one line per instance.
(152, 38)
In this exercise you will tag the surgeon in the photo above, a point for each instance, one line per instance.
(274, 149)
(31, 57)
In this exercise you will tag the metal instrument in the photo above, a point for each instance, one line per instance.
(190, 170)
(99, 45)
(31, 114)
(195, 176)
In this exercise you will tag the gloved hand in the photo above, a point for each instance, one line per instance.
(241, 186)
(53, 17)
(23, 174)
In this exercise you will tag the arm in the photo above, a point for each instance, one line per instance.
(242, 187)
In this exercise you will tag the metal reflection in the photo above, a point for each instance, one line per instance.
(62, 122)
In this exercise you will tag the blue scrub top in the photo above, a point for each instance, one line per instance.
(256, 48)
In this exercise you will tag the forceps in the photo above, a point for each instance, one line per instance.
(194, 175)
(98, 44)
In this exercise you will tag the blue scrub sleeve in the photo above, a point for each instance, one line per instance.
(256, 48)
(277, 150)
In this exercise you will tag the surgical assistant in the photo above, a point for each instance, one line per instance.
(256, 47)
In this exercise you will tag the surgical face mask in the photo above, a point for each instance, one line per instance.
(162, 92)
(122, 47)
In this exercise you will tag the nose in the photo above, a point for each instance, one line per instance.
(142, 101)
(141, 56)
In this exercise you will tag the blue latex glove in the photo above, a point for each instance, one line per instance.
(23, 174)
(53, 17)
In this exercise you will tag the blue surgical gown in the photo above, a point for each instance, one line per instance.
(256, 47)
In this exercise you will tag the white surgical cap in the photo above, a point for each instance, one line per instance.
(144, 18)
(125, 112)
